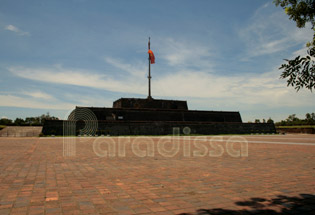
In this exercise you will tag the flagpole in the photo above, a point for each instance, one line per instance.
(149, 76)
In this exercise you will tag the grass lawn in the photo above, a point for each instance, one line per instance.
(2, 127)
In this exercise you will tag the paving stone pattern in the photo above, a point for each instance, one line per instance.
(35, 178)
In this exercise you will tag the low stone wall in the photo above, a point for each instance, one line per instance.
(21, 131)
(138, 103)
(296, 130)
(56, 127)
(147, 115)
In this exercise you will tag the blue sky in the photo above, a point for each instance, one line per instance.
(217, 55)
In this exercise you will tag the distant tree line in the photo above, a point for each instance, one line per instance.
(28, 121)
(264, 121)
(293, 120)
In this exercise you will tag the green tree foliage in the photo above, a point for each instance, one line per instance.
(19, 121)
(270, 120)
(310, 117)
(5, 121)
(300, 72)
(39, 120)
(45, 117)
(293, 120)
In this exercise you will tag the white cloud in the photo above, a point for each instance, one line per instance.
(301, 52)
(185, 53)
(38, 94)
(18, 101)
(40, 101)
(242, 91)
(137, 70)
(271, 32)
(59, 75)
(12, 28)
(17, 30)
(249, 89)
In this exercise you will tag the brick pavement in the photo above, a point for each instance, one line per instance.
(35, 177)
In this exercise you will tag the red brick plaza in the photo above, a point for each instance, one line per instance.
(264, 174)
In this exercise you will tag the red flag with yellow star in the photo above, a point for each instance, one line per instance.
(151, 56)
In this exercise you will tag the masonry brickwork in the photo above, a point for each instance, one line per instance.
(132, 116)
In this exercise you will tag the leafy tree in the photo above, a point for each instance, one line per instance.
(5, 121)
(19, 121)
(269, 120)
(44, 117)
(257, 121)
(32, 121)
(292, 119)
(310, 118)
(300, 72)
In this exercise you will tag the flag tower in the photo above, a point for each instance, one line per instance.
(151, 61)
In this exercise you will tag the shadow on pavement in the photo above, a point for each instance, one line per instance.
(304, 204)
